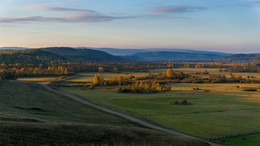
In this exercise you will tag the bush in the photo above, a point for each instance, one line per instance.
(184, 102)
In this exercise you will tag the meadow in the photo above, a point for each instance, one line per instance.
(217, 109)
(249, 140)
(38, 79)
(210, 115)
(31, 115)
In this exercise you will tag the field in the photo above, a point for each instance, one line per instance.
(37, 79)
(212, 71)
(223, 110)
(30, 115)
(216, 110)
(250, 140)
(88, 77)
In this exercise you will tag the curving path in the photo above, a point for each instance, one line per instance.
(128, 117)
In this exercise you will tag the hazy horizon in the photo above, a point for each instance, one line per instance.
(220, 26)
(256, 51)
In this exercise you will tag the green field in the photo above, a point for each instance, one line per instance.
(210, 115)
(38, 79)
(223, 110)
(88, 77)
(30, 115)
(249, 140)
(213, 113)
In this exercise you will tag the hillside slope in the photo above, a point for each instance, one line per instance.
(83, 55)
(63, 54)
(31, 56)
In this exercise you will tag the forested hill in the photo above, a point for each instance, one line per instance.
(62, 54)
(32, 56)
(83, 55)
(241, 58)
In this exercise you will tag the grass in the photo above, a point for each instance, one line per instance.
(222, 89)
(33, 101)
(249, 140)
(88, 77)
(212, 71)
(210, 115)
(214, 113)
(37, 79)
(30, 115)
(87, 134)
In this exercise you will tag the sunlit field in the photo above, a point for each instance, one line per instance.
(37, 79)
(212, 71)
(88, 77)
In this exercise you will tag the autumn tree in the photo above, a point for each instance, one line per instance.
(101, 69)
(120, 79)
(96, 80)
(169, 73)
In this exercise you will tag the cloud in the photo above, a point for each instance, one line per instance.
(251, 3)
(76, 15)
(176, 9)
(51, 8)
(73, 18)
(22, 19)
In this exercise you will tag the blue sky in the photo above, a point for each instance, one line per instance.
(214, 25)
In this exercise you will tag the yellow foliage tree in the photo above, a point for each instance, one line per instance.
(96, 80)
(169, 73)
(113, 79)
(120, 79)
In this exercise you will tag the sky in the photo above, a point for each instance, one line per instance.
(214, 25)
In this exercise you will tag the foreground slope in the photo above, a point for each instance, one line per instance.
(30, 115)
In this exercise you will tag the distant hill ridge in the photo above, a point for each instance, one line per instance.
(11, 55)
(127, 52)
